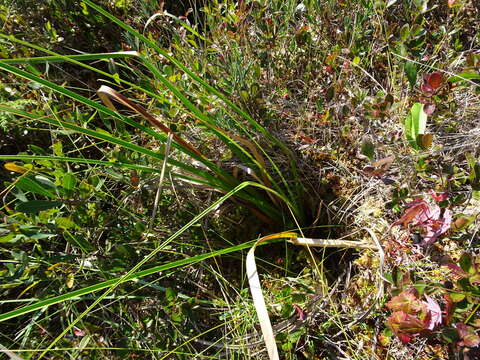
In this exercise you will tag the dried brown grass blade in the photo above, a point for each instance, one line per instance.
(333, 243)
(106, 92)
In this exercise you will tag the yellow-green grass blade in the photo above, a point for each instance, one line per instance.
(75, 59)
(212, 181)
(122, 165)
(191, 74)
(60, 58)
(106, 110)
(71, 59)
(132, 273)
(109, 138)
(236, 148)
(233, 145)
(74, 295)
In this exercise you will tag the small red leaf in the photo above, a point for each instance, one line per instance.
(415, 208)
(134, 178)
(467, 335)
(435, 80)
(429, 108)
(457, 270)
(404, 338)
(402, 323)
(300, 313)
(427, 89)
(308, 139)
(438, 197)
(407, 301)
(379, 167)
(78, 332)
(449, 308)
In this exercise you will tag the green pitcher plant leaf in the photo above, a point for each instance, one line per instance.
(415, 125)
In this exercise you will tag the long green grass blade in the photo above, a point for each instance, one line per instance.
(233, 145)
(74, 295)
(111, 139)
(206, 120)
(75, 59)
(213, 90)
(191, 74)
(133, 271)
(91, 103)
(195, 112)
(60, 58)
(104, 163)
(212, 181)
(81, 161)
(68, 58)
(112, 113)
(228, 178)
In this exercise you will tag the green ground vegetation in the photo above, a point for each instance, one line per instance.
(146, 145)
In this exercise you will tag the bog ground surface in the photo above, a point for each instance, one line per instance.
(147, 146)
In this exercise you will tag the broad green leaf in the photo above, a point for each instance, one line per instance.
(466, 264)
(58, 148)
(69, 181)
(368, 149)
(40, 236)
(65, 223)
(464, 76)
(415, 124)
(114, 174)
(27, 184)
(7, 238)
(170, 294)
(35, 206)
(405, 32)
(37, 149)
(411, 71)
(422, 5)
(45, 181)
(474, 168)
(457, 297)
(77, 241)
